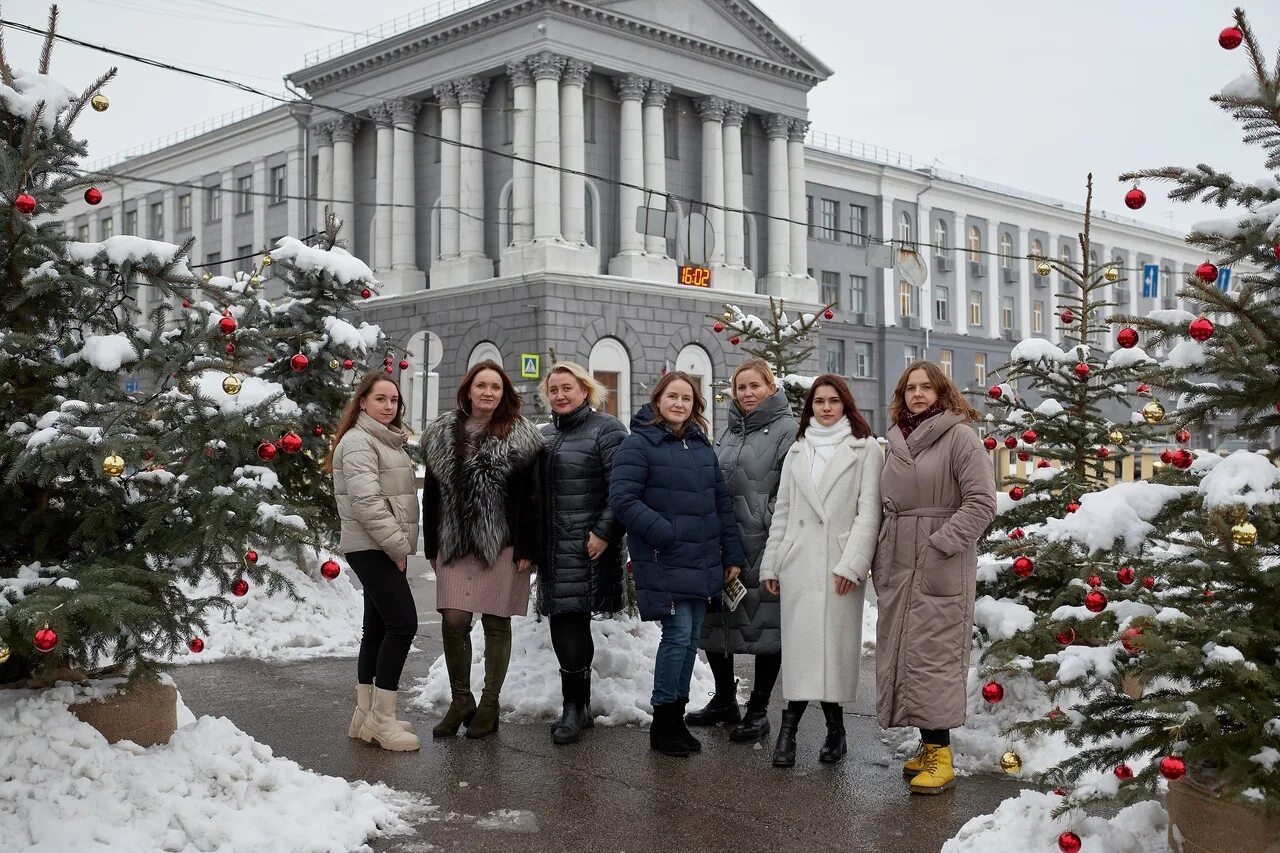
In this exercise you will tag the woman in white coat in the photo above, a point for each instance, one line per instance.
(821, 542)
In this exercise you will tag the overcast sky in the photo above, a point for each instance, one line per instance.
(1032, 94)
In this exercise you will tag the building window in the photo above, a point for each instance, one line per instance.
(589, 214)
(1037, 317)
(213, 203)
(910, 355)
(1066, 254)
(831, 288)
(671, 127)
(942, 303)
(108, 228)
(975, 307)
(610, 364)
(835, 357)
(940, 238)
(82, 233)
(862, 360)
(131, 222)
(1093, 261)
(808, 214)
(904, 228)
(944, 361)
(1037, 249)
(975, 244)
(858, 294)
(184, 212)
(244, 194)
(830, 219)
(155, 221)
(695, 361)
(857, 225)
(980, 369)
(279, 184)
(1006, 312)
(1006, 251)
(213, 263)
(906, 299)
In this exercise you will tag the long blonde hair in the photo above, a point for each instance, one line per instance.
(351, 412)
(597, 394)
(949, 396)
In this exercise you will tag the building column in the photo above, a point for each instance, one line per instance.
(344, 178)
(260, 202)
(734, 275)
(546, 68)
(322, 135)
(960, 303)
(779, 263)
(404, 275)
(655, 157)
(643, 163)
(573, 151)
(228, 248)
(297, 161)
(462, 258)
(924, 235)
(382, 187)
(630, 171)
(890, 289)
(1028, 272)
(522, 146)
(450, 176)
(471, 92)
(711, 111)
(993, 280)
(796, 184)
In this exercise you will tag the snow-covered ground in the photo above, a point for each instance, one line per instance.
(212, 787)
(1025, 823)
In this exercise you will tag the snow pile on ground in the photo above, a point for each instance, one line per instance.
(1026, 823)
(325, 620)
(212, 787)
(621, 673)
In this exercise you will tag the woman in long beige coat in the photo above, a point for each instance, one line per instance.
(373, 484)
(938, 494)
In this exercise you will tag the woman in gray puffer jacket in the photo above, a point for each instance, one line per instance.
(373, 482)
(751, 450)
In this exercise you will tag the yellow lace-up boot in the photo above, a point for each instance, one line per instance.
(913, 765)
(936, 773)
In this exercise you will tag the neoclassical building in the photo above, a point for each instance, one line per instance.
(531, 176)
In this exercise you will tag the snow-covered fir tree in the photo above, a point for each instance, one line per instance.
(784, 343)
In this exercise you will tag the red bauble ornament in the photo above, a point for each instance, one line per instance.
(828, 314)
(266, 451)
(1030, 436)
(148, 455)
(1023, 456)
(1066, 636)
(995, 392)
(230, 348)
(992, 692)
(1104, 452)
(1134, 199)
(317, 431)
(1095, 601)
(299, 362)
(717, 327)
(1182, 436)
(1010, 442)
(1230, 38)
(1144, 388)
(291, 442)
(196, 645)
(1200, 329)
(1127, 638)
(1149, 582)
(25, 203)
(404, 365)
(387, 368)
(1068, 316)
(366, 293)
(734, 340)
(93, 195)
(1082, 370)
(1275, 250)
(1166, 456)
(1043, 463)
(1123, 771)
(271, 359)
(1069, 842)
(1017, 533)
(186, 303)
(251, 556)
(387, 361)
(45, 639)
(227, 325)
(330, 569)
(989, 443)
(1016, 493)
(1183, 459)
(1173, 768)
(1127, 337)
(240, 588)
(1094, 581)
(1207, 272)
(1023, 567)
(347, 364)
(1208, 593)
(1060, 792)
(1073, 506)
(1126, 575)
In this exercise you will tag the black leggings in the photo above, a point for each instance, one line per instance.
(390, 619)
(767, 668)
(571, 638)
(937, 737)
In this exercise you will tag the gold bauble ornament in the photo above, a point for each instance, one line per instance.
(719, 397)
(1116, 436)
(207, 277)
(728, 316)
(1244, 533)
(1043, 269)
(99, 103)
(267, 260)
(231, 384)
(4, 653)
(1153, 412)
(254, 279)
(1111, 274)
(1011, 763)
(112, 465)
(334, 364)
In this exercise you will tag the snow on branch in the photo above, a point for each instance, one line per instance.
(1244, 478)
(124, 249)
(1118, 513)
(336, 261)
(30, 90)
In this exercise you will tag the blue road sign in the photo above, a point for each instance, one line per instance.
(131, 386)
(1150, 281)
(1224, 279)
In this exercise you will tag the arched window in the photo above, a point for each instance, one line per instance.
(1093, 261)
(611, 366)
(695, 361)
(940, 238)
(484, 350)
(1037, 249)
(1006, 250)
(975, 244)
(904, 228)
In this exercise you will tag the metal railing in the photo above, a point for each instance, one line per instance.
(207, 126)
(387, 29)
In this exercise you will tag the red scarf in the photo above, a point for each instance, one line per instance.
(908, 422)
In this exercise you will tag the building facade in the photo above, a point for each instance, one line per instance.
(529, 176)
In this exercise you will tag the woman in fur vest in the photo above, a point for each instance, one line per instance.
(580, 572)
(480, 531)
(821, 542)
(669, 493)
(378, 505)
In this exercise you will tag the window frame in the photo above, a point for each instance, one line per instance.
(858, 293)
(940, 239)
(974, 244)
(863, 354)
(942, 300)
(975, 308)
(857, 224)
(1006, 250)
(829, 214)
(244, 194)
(906, 228)
(278, 181)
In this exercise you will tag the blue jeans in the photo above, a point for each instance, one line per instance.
(673, 668)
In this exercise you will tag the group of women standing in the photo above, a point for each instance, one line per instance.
(799, 513)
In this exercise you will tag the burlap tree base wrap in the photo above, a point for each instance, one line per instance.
(1205, 824)
(146, 713)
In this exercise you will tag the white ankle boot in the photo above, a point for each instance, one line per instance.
(381, 725)
(364, 696)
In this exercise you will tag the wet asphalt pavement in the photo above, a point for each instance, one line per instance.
(517, 791)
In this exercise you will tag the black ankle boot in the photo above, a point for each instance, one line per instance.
(664, 734)
(834, 747)
(784, 753)
(571, 723)
(755, 723)
(723, 708)
(691, 742)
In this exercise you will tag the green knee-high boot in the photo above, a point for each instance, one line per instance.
(497, 654)
(457, 659)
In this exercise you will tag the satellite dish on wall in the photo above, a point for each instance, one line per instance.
(695, 239)
(911, 267)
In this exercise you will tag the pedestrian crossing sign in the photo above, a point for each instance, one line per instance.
(529, 365)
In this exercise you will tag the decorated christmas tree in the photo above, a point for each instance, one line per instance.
(117, 498)
(784, 343)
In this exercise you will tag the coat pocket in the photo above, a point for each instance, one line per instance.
(942, 576)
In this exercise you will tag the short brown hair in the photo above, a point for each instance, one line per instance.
(859, 425)
(508, 411)
(949, 396)
(699, 404)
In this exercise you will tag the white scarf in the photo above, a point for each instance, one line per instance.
(820, 444)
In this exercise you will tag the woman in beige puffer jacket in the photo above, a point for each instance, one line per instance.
(373, 482)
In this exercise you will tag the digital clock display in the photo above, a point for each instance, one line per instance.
(695, 276)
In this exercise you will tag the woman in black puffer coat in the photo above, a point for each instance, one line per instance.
(581, 571)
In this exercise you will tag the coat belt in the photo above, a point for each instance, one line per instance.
(892, 515)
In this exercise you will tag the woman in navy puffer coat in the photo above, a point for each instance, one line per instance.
(667, 490)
